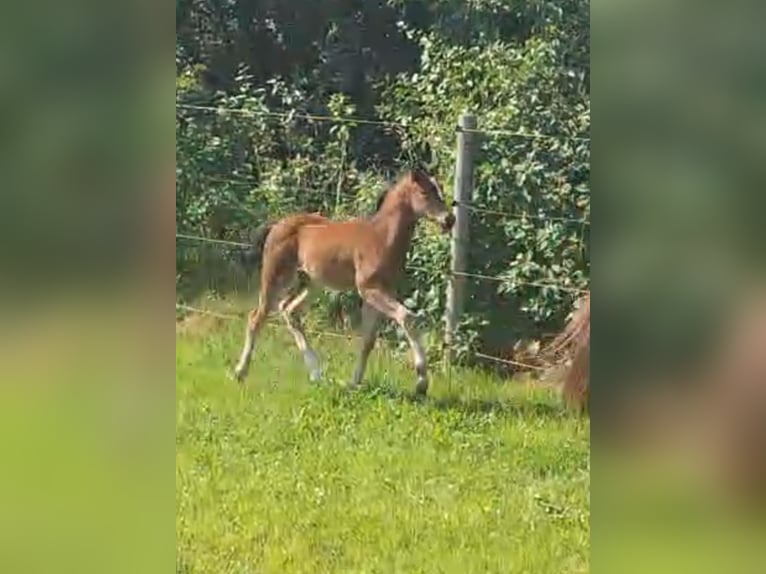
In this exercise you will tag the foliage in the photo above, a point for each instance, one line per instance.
(519, 66)
(540, 181)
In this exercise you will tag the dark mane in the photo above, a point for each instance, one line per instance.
(383, 194)
(382, 198)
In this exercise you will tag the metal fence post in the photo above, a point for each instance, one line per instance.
(463, 192)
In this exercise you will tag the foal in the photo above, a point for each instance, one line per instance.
(363, 254)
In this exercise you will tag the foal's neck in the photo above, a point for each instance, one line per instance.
(396, 222)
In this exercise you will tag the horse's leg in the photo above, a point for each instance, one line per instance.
(288, 306)
(370, 323)
(271, 286)
(387, 304)
(255, 322)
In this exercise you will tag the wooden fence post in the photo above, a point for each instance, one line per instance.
(463, 194)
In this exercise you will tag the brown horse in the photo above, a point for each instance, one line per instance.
(574, 341)
(366, 254)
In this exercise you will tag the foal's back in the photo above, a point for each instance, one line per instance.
(329, 251)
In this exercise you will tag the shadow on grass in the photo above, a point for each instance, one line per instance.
(523, 407)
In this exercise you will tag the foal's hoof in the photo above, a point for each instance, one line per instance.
(353, 386)
(237, 376)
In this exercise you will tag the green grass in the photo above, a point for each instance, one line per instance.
(285, 476)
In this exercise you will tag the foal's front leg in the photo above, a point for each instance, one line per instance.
(388, 305)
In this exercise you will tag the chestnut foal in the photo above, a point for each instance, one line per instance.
(363, 254)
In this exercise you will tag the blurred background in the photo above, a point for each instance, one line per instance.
(679, 380)
(86, 367)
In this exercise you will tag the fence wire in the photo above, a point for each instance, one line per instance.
(499, 360)
(270, 321)
(509, 362)
(273, 323)
(333, 194)
(498, 278)
(477, 208)
(288, 115)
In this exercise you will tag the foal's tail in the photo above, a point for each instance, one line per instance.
(575, 334)
(575, 341)
(250, 257)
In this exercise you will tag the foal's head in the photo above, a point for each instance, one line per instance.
(426, 198)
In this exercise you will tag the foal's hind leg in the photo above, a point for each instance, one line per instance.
(289, 306)
(271, 287)
(255, 323)
(384, 302)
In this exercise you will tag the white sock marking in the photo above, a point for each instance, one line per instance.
(312, 363)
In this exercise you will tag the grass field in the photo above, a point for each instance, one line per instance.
(286, 476)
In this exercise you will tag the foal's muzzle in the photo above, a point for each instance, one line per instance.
(447, 222)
